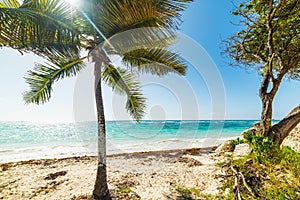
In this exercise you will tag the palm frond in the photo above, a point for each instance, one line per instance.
(116, 16)
(42, 77)
(130, 14)
(170, 10)
(9, 3)
(58, 11)
(123, 82)
(40, 26)
(156, 61)
(148, 37)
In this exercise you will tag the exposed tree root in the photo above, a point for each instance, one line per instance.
(239, 177)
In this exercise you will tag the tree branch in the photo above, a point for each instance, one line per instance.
(277, 81)
(282, 129)
(288, 13)
(264, 85)
(270, 29)
(256, 55)
(246, 185)
(271, 68)
(237, 176)
(236, 189)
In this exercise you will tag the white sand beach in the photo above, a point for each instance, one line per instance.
(149, 175)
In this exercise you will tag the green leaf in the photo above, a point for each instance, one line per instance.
(235, 13)
(124, 83)
(155, 61)
(41, 26)
(240, 5)
(115, 16)
(42, 77)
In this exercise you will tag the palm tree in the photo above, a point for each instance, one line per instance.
(53, 30)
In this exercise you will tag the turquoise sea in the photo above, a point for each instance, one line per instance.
(30, 140)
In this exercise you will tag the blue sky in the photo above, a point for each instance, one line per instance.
(206, 22)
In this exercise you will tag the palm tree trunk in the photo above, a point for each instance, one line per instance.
(282, 129)
(101, 191)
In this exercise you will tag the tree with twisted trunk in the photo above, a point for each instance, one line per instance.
(270, 42)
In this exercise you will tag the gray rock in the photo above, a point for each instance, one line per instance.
(224, 147)
(242, 150)
(293, 139)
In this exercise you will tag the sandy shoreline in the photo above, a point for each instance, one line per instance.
(148, 175)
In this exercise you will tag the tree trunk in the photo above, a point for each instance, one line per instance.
(266, 115)
(267, 101)
(101, 191)
(282, 129)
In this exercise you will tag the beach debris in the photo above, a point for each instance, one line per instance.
(193, 151)
(123, 189)
(124, 194)
(242, 150)
(45, 189)
(244, 178)
(83, 196)
(224, 147)
(5, 166)
(188, 161)
(53, 176)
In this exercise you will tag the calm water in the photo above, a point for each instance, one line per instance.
(27, 140)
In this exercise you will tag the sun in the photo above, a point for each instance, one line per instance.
(74, 3)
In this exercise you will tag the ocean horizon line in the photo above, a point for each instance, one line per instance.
(131, 120)
(20, 140)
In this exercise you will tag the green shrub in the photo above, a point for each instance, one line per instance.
(126, 190)
(272, 172)
(187, 193)
(262, 146)
(236, 142)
